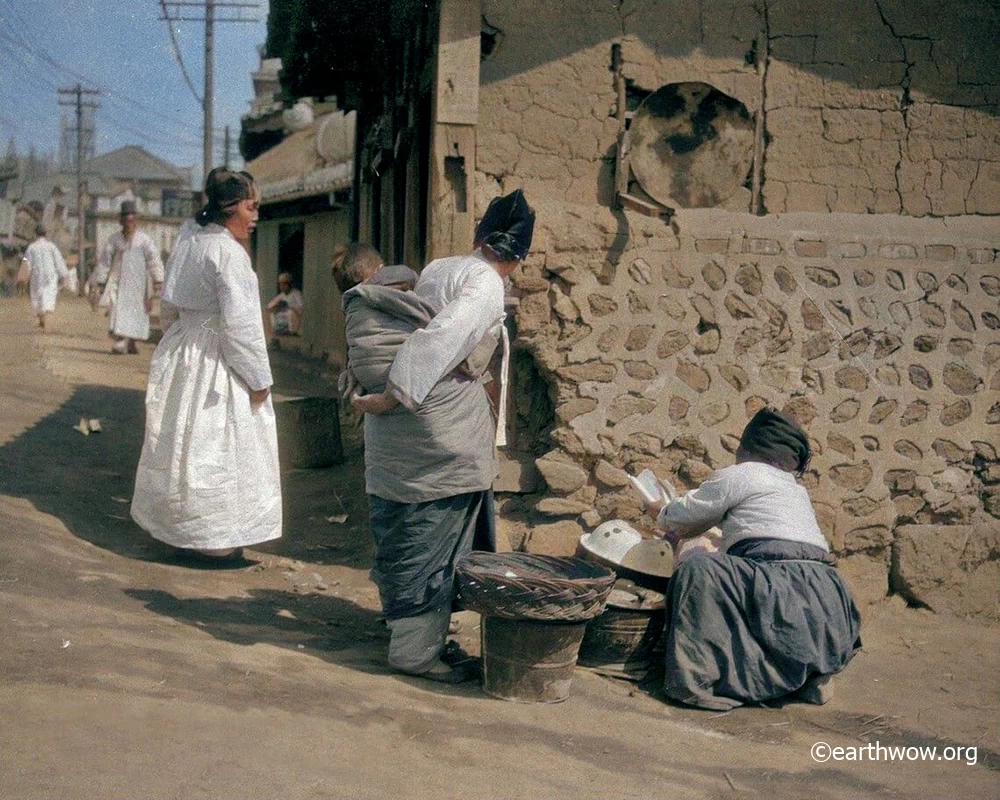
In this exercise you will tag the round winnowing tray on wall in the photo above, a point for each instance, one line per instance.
(691, 145)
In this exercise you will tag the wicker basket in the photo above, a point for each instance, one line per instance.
(531, 587)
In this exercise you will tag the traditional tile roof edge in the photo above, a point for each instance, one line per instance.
(319, 181)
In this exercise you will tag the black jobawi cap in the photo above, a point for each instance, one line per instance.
(507, 226)
(776, 439)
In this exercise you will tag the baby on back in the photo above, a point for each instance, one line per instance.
(380, 312)
(357, 263)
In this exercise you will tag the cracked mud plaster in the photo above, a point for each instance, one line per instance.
(871, 115)
(868, 110)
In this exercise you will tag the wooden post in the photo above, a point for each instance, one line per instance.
(757, 185)
(455, 112)
(621, 162)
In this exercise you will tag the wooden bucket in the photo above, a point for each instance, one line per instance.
(308, 431)
(622, 638)
(527, 661)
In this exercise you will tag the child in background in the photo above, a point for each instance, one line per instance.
(285, 308)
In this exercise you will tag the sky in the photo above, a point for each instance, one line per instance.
(123, 48)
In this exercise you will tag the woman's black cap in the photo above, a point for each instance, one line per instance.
(776, 439)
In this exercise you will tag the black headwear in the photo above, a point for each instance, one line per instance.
(224, 188)
(128, 207)
(507, 226)
(776, 439)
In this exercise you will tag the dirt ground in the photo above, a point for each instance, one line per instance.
(126, 673)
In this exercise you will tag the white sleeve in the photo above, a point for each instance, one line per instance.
(431, 353)
(60, 263)
(154, 264)
(242, 338)
(702, 508)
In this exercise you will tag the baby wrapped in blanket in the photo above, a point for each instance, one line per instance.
(448, 442)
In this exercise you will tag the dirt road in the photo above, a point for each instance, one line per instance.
(127, 674)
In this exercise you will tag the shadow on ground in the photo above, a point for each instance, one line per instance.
(86, 482)
(334, 629)
(324, 624)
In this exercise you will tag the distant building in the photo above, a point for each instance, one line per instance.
(262, 127)
(161, 191)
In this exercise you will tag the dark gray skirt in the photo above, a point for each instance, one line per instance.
(743, 630)
(417, 546)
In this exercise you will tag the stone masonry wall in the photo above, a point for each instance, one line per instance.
(880, 335)
(872, 320)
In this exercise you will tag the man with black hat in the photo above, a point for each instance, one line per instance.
(430, 490)
(769, 615)
(131, 268)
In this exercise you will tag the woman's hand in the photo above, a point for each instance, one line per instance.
(654, 508)
(381, 403)
(670, 535)
(257, 397)
(347, 383)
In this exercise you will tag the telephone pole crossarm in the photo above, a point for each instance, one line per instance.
(175, 11)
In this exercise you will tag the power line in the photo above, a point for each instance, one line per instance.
(20, 38)
(209, 8)
(111, 94)
(181, 138)
(177, 52)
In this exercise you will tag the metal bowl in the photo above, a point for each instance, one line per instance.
(649, 562)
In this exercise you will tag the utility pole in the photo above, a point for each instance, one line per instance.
(75, 97)
(176, 11)
(225, 150)
(208, 96)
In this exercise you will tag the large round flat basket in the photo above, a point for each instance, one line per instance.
(533, 587)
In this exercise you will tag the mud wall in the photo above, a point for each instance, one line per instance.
(871, 106)
(864, 314)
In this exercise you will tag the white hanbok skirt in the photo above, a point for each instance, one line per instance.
(44, 290)
(208, 476)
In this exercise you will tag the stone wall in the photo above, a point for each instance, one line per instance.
(881, 335)
(879, 331)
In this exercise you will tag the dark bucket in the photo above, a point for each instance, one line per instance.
(623, 639)
(529, 662)
(308, 432)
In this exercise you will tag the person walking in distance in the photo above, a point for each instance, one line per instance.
(131, 268)
(46, 267)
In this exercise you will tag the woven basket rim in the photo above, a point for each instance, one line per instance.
(485, 563)
(578, 594)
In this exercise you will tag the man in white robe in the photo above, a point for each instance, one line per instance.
(132, 270)
(46, 267)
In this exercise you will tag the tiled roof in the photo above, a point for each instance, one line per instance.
(134, 163)
(294, 168)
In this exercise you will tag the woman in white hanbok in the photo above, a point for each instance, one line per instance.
(208, 475)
